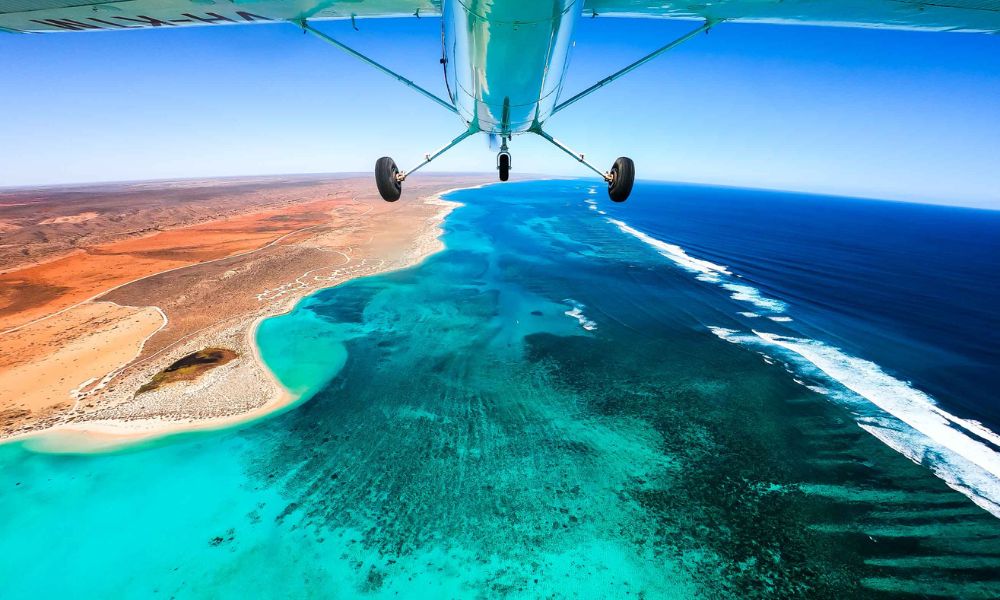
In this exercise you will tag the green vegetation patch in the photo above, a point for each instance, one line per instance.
(190, 367)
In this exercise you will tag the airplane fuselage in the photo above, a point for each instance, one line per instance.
(505, 61)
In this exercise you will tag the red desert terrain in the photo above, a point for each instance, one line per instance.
(103, 287)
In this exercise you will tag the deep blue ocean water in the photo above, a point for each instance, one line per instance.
(914, 287)
(896, 302)
(704, 392)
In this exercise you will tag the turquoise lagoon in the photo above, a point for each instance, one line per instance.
(540, 409)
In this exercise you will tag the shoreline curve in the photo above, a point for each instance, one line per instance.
(99, 436)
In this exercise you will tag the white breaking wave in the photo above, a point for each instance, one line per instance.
(961, 452)
(707, 271)
(904, 418)
(577, 313)
(748, 293)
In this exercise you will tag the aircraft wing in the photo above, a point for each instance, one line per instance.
(935, 15)
(88, 15)
(84, 15)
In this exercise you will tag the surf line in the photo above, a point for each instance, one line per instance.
(706, 271)
(961, 452)
(958, 451)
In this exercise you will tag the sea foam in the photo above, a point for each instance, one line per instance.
(706, 271)
(748, 293)
(961, 452)
(576, 311)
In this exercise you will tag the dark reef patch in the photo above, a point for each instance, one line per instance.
(190, 367)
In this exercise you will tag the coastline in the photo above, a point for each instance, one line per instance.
(545, 396)
(115, 434)
(97, 435)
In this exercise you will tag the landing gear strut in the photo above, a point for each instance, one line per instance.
(389, 179)
(620, 178)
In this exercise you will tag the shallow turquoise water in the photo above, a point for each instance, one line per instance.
(539, 410)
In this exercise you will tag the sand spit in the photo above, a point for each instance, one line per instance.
(94, 355)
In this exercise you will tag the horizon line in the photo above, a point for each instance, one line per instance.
(523, 177)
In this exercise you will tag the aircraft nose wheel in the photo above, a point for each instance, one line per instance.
(503, 165)
(387, 179)
(620, 179)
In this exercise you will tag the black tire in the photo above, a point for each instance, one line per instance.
(622, 178)
(389, 187)
(504, 167)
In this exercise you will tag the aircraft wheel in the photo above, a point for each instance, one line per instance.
(389, 186)
(503, 164)
(622, 178)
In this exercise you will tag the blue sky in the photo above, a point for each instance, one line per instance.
(895, 115)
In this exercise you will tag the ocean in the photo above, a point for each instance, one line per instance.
(704, 392)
